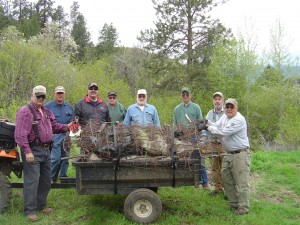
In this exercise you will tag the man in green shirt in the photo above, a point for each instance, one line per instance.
(186, 113)
(117, 111)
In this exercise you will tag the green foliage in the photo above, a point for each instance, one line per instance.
(270, 77)
(273, 116)
(56, 38)
(30, 27)
(289, 131)
(25, 65)
(102, 73)
(108, 40)
(9, 111)
(81, 36)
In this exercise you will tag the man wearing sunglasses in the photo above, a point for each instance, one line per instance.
(216, 141)
(92, 108)
(141, 113)
(35, 126)
(186, 113)
(236, 164)
(63, 112)
(117, 111)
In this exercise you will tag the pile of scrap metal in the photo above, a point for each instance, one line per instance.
(106, 142)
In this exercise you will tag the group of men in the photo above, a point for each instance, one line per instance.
(37, 122)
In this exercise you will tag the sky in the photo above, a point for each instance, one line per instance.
(254, 17)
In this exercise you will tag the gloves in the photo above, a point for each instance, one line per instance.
(209, 128)
(74, 127)
(209, 123)
(178, 134)
(202, 127)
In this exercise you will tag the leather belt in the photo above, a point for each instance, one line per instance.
(47, 145)
(238, 151)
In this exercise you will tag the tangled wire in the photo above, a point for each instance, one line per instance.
(105, 142)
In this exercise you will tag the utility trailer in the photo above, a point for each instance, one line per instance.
(139, 178)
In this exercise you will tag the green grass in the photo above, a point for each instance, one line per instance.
(275, 199)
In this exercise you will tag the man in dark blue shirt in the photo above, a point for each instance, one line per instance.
(63, 112)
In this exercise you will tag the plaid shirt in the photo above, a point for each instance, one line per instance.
(47, 126)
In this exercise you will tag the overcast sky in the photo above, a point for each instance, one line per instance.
(131, 16)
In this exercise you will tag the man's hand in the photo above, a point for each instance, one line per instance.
(209, 128)
(202, 127)
(29, 157)
(74, 126)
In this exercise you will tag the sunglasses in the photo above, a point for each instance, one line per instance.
(229, 106)
(185, 94)
(93, 89)
(59, 93)
(41, 96)
(142, 96)
(111, 97)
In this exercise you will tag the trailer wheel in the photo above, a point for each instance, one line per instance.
(5, 192)
(142, 206)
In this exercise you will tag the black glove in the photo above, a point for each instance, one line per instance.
(178, 134)
(202, 127)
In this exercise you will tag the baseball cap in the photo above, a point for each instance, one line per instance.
(112, 93)
(142, 92)
(231, 101)
(39, 90)
(59, 89)
(186, 89)
(218, 93)
(92, 84)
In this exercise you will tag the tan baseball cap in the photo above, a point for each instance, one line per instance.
(59, 89)
(39, 90)
(218, 93)
(231, 101)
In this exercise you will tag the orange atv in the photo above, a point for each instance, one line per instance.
(9, 161)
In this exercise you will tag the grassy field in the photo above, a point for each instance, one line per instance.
(275, 199)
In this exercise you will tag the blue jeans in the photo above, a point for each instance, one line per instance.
(203, 178)
(37, 180)
(58, 166)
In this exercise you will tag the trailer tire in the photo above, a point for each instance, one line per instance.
(5, 192)
(142, 206)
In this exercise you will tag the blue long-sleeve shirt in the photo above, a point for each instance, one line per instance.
(135, 116)
(63, 112)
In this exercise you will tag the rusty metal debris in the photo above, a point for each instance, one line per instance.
(107, 142)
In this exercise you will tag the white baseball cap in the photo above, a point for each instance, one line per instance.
(142, 92)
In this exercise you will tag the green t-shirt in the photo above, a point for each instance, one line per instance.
(117, 113)
(193, 111)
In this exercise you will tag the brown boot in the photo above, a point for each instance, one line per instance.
(215, 192)
(32, 217)
(240, 211)
(47, 211)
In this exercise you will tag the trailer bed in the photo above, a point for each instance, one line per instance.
(112, 177)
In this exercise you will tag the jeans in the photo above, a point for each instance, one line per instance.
(58, 166)
(202, 170)
(37, 180)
